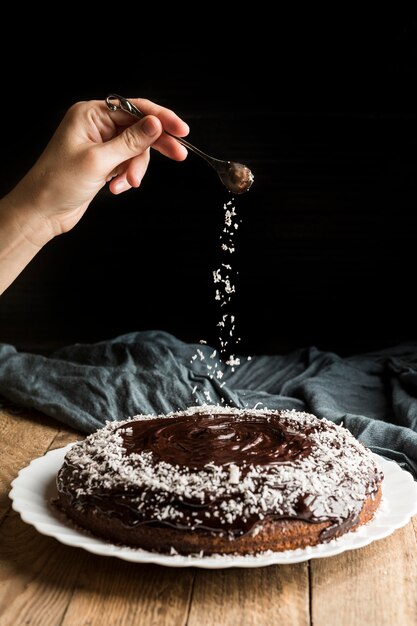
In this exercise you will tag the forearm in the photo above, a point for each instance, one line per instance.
(22, 234)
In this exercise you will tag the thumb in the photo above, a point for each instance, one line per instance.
(133, 141)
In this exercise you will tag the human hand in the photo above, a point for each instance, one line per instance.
(92, 147)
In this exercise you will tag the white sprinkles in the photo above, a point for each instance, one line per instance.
(224, 291)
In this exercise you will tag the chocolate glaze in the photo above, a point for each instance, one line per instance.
(194, 442)
(191, 443)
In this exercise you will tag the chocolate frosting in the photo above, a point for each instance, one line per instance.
(197, 441)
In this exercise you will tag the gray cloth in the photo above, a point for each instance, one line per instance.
(374, 395)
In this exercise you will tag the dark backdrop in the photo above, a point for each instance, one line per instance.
(323, 112)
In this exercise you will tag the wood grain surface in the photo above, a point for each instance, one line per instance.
(45, 583)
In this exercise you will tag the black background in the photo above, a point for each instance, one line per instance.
(322, 109)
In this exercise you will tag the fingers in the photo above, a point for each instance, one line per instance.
(170, 121)
(121, 144)
(169, 147)
(132, 175)
(119, 185)
(133, 141)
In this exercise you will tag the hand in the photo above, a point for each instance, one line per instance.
(93, 146)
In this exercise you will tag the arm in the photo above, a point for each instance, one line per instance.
(22, 235)
(91, 147)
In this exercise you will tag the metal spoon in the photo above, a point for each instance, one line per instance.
(235, 176)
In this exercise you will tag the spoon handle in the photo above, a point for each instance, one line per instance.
(129, 107)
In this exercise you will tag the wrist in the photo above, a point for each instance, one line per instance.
(21, 211)
(22, 235)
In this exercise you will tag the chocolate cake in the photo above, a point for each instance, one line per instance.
(220, 480)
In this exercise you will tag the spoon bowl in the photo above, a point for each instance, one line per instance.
(235, 176)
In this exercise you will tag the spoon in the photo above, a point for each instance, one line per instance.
(236, 177)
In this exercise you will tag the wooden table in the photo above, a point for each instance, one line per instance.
(46, 583)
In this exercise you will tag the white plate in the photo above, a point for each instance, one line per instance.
(35, 486)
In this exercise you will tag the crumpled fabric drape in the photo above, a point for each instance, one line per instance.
(374, 395)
